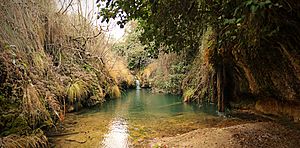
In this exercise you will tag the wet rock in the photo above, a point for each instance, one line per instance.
(77, 138)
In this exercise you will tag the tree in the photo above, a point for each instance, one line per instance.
(245, 30)
(133, 51)
(171, 23)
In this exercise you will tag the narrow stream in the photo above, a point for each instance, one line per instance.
(133, 120)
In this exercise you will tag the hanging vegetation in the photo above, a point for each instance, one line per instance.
(253, 50)
(51, 62)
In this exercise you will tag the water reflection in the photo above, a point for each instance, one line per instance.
(136, 117)
(117, 136)
(137, 106)
(138, 93)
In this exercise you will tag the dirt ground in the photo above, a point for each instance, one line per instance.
(249, 135)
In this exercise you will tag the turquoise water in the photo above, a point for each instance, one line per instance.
(143, 102)
(138, 117)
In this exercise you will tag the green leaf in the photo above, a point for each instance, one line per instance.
(253, 8)
(238, 20)
(249, 2)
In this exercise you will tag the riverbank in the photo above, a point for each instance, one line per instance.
(49, 69)
(143, 119)
(134, 120)
(259, 134)
(240, 129)
(254, 131)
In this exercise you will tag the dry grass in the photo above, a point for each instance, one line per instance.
(149, 69)
(146, 76)
(23, 27)
(39, 61)
(117, 68)
(34, 106)
(41, 53)
(187, 94)
(77, 91)
(115, 92)
(37, 139)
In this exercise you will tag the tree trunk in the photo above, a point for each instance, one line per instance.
(214, 87)
(221, 84)
(224, 84)
(220, 87)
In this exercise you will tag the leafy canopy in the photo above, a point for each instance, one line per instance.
(170, 23)
(179, 24)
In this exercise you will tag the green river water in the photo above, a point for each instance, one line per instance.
(138, 118)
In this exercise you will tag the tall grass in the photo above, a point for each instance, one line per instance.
(77, 91)
(117, 68)
(34, 106)
(115, 92)
(37, 139)
(42, 52)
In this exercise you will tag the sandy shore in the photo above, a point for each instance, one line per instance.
(249, 135)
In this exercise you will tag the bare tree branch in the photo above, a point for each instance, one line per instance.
(67, 7)
(62, 5)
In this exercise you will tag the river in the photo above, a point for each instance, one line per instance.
(138, 117)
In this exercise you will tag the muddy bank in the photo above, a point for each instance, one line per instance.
(259, 134)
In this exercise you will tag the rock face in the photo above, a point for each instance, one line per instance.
(259, 65)
(263, 64)
(270, 76)
(271, 72)
(290, 109)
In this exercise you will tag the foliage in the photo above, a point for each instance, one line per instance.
(133, 51)
(165, 73)
(117, 69)
(172, 23)
(196, 83)
(77, 91)
(115, 92)
(34, 107)
(180, 24)
(37, 139)
(173, 83)
(47, 60)
(250, 36)
(187, 94)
